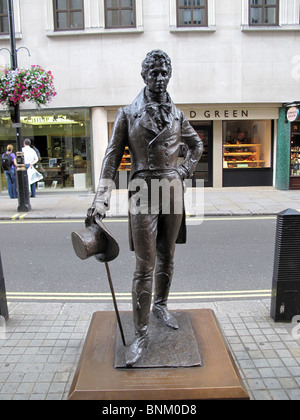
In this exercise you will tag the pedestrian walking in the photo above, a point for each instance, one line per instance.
(30, 159)
(9, 165)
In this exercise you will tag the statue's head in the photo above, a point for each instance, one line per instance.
(157, 71)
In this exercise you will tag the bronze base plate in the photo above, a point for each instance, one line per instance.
(97, 379)
(167, 348)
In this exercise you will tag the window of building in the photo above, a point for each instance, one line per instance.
(68, 15)
(120, 14)
(192, 13)
(247, 144)
(263, 12)
(62, 138)
(3, 17)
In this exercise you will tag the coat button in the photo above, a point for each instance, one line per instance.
(151, 166)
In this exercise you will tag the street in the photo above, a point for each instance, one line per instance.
(223, 256)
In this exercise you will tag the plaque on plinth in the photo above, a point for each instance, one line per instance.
(214, 377)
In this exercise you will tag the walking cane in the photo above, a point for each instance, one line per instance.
(95, 240)
(115, 302)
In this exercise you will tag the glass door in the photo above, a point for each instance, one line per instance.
(204, 168)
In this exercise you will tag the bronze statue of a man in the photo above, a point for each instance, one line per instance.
(153, 129)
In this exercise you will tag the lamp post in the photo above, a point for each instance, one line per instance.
(22, 178)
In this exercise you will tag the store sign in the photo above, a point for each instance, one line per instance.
(213, 114)
(231, 112)
(49, 120)
(223, 113)
(293, 114)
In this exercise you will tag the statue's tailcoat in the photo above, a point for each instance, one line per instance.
(151, 149)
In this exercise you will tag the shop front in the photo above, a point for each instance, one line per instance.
(203, 169)
(62, 138)
(239, 144)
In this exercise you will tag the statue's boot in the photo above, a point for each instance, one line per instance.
(141, 308)
(160, 309)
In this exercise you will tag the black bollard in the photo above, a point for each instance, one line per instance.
(285, 303)
(3, 301)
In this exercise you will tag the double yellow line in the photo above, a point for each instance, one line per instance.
(98, 297)
(190, 220)
(19, 216)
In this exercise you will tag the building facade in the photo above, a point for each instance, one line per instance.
(236, 67)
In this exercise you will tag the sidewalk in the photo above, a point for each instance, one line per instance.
(40, 349)
(250, 201)
(41, 343)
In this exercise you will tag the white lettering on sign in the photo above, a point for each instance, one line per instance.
(293, 114)
(217, 114)
(2, 328)
(47, 120)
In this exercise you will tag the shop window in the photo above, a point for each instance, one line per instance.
(192, 13)
(126, 161)
(68, 15)
(3, 18)
(120, 14)
(123, 175)
(63, 141)
(247, 144)
(125, 165)
(295, 156)
(263, 12)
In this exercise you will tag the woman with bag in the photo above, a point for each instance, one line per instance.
(30, 159)
(9, 165)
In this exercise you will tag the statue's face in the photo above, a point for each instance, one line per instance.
(158, 78)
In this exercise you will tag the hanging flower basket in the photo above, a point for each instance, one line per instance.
(20, 85)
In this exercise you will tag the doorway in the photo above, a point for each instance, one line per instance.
(40, 143)
(204, 168)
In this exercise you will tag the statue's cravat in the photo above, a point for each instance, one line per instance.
(159, 113)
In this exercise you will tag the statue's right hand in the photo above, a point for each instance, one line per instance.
(100, 205)
(92, 215)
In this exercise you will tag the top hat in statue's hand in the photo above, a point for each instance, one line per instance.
(95, 240)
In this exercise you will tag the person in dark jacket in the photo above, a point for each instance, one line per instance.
(10, 173)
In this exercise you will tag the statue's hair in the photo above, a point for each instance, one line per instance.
(152, 57)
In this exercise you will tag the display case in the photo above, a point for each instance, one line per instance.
(247, 153)
(243, 155)
(123, 176)
(53, 172)
(126, 161)
(67, 164)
